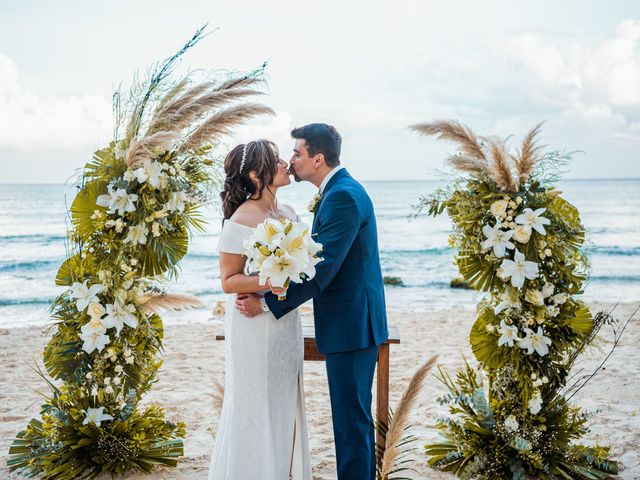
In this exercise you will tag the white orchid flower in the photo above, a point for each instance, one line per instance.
(535, 342)
(95, 416)
(137, 234)
(518, 269)
(532, 218)
(93, 334)
(497, 239)
(508, 334)
(176, 202)
(120, 314)
(150, 172)
(85, 295)
(118, 201)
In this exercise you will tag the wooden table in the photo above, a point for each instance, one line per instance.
(382, 388)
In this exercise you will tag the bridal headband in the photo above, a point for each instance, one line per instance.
(244, 157)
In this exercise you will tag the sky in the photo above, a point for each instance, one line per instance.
(371, 69)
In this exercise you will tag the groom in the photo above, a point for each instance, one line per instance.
(347, 292)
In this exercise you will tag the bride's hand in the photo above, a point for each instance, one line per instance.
(275, 290)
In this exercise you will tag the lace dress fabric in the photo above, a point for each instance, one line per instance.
(262, 432)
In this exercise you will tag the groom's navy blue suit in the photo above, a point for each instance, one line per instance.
(350, 316)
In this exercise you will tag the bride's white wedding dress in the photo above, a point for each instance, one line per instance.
(262, 433)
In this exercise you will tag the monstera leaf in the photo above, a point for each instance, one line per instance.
(84, 205)
(484, 344)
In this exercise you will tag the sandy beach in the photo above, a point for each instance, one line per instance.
(194, 361)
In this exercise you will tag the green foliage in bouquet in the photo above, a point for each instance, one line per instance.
(520, 242)
(137, 204)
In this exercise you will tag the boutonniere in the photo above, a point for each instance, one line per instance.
(315, 201)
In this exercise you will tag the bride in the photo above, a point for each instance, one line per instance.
(262, 433)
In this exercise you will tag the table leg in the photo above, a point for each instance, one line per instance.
(383, 394)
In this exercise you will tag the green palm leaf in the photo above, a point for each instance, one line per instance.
(484, 344)
(84, 206)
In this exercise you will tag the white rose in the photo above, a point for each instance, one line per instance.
(522, 233)
(499, 208)
(552, 311)
(96, 310)
(547, 290)
(534, 297)
(559, 298)
(511, 424)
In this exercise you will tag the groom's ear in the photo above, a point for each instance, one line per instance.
(318, 159)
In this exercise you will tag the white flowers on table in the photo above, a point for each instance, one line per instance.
(282, 251)
(508, 334)
(120, 314)
(531, 218)
(84, 295)
(95, 416)
(497, 239)
(137, 234)
(118, 200)
(518, 269)
(150, 172)
(535, 342)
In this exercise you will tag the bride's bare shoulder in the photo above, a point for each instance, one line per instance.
(246, 214)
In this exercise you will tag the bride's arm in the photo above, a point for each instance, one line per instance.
(233, 278)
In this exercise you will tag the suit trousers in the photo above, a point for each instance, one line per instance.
(350, 376)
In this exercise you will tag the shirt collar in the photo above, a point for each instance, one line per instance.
(328, 177)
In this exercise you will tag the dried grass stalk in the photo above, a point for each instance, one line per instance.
(500, 165)
(222, 122)
(146, 148)
(401, 417)
(453, 131)
(529, 154)
(170, 301)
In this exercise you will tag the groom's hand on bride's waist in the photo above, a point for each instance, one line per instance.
(248, 304)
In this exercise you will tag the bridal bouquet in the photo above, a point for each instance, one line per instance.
(282, 251)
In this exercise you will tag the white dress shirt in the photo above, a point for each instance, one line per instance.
(328, 177)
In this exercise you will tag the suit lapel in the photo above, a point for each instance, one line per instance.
(338, 175)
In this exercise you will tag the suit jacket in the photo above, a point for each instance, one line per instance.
(347, 290)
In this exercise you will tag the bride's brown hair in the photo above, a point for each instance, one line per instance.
(261, 157)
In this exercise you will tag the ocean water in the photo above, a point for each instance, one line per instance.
(33, 222)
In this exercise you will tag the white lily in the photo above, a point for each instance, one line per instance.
(120, 314)
(95, 416)
(509, 299)
(532, 218)
(280, 268)
(137, 234)
(176, 201)
(93, 334)
(497, 239)
(518, 269)
(535, 342)
(150, 172)
(118, 201)
(508, 334)
(85, 295)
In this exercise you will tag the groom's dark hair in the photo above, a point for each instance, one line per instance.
(321, 138)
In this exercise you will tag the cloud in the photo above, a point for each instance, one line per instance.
(30, 123)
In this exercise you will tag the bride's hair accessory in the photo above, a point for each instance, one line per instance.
(244, 157)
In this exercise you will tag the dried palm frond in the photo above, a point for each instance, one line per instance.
(500, 165)
(170, 301)
(218, 395)
(398, 424)
(222, 122)
(146, 148)
(453, 131)
(529, 154)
